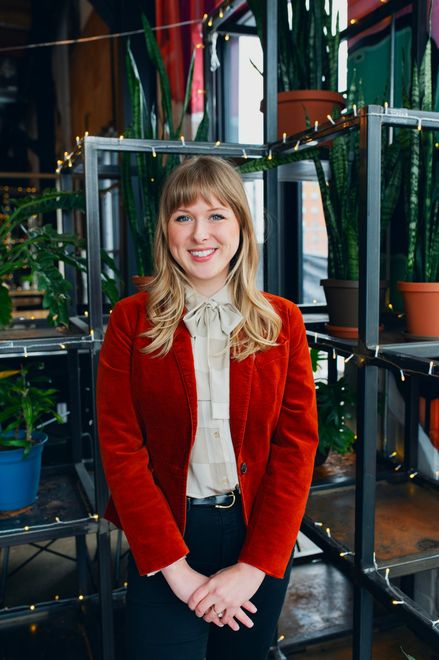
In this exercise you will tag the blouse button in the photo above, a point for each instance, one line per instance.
(216, 434)
(243, 468)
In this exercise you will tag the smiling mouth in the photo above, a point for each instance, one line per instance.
(202, 253)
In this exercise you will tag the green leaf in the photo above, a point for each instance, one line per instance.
(156, 57)
(5, 306)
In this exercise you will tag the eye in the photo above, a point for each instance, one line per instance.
(216, 216)
(183, 218)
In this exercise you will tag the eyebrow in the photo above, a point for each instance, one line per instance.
(215, 208)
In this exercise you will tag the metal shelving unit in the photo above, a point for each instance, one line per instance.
(346, 517)
(72, 497)
(350, 524)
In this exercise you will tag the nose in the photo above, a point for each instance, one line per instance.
(200, 230)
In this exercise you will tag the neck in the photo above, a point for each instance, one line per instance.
(207, 289)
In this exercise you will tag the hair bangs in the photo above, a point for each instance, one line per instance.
(189, 185)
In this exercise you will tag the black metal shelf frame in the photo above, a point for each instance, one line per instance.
(370, 122)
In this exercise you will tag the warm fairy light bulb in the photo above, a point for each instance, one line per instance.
(221, 13)
(353, 21)
(121, 137)
(217, 143)
(226, 37)
(182, 140)
(270, 155)
(284, 137)
(210, 22)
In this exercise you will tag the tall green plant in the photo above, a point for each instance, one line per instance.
(40, 249)
(421, 181)
(307, 44)
(340, 196)
(141, 201)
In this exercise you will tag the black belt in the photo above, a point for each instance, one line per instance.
(225, 501)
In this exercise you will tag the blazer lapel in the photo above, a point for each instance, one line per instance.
(241, 373)
(182, 349)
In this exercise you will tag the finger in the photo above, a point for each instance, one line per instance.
(205, 605)
(250, 607)
(233, 624)
(197, 596)
(211, 617)
(243, 618)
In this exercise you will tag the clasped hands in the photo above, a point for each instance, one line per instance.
(226, 592)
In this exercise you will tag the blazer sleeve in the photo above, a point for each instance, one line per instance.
(282, 495)
(143, 510)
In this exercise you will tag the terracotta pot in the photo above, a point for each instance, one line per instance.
(141, 281)
(342, 303)
(421, 304)
(294, 107)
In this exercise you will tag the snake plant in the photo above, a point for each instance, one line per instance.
(39, 249)
(340, 195)
(307, 44)
(421, 181)
(141, 197)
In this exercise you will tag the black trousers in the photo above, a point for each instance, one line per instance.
(162, 627)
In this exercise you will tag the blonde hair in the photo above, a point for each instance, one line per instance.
(207, 177)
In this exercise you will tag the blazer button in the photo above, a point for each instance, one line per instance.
(243, 468)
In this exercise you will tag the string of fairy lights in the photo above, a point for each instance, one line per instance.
(68, 161)
(398, 596)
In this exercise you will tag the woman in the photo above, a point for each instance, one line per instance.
(208, 429)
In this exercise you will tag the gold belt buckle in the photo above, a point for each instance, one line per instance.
(227, 506)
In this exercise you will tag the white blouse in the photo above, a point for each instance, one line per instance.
(210, 320)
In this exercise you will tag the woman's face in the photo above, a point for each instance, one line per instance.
(203, 237)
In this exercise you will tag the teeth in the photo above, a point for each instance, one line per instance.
(201, 253)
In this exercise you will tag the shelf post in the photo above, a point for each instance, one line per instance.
(273, 255)
(367, 422)
(96, 323)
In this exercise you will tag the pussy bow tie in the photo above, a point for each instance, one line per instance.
(215, 321)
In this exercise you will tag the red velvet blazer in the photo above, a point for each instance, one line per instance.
(147, 419)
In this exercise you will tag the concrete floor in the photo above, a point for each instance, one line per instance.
(319, 599)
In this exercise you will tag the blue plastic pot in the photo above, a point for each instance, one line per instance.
(20, 477)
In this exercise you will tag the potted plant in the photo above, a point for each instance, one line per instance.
(334, 404)
(307, 62)
(341, 207)
(25, 400)
(151, 169)
(39, 249)
(420, 291)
